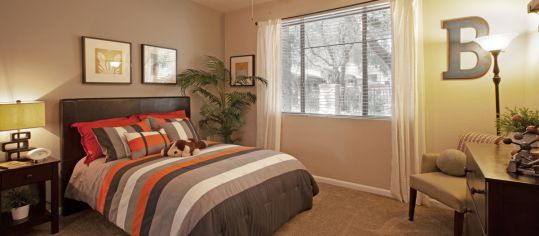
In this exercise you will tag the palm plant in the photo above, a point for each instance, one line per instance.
(223, 107)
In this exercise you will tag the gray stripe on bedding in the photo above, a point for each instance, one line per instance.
(113, 211)
(231, 188)
(262, 209)
(179, 184)
(174, 192)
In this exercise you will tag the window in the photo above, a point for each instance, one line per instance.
(338, 62)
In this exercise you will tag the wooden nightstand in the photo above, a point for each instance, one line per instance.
(34, 174)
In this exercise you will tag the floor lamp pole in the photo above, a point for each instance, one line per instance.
(496, 81)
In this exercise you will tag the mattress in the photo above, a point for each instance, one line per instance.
(224, 190)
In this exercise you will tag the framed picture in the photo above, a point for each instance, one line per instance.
(242, 66)
(105, 61)
(158, 65)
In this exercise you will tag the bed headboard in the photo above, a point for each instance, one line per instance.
(90, 109)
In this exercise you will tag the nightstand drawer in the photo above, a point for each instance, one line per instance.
(26, 176)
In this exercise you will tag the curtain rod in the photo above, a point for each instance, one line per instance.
(328, 10)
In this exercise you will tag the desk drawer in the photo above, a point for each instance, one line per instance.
(472, 227)
(477, 189)
(26, 176)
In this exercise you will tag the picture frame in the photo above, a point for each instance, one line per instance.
(106, 61)
(242, 65)
(159, 65)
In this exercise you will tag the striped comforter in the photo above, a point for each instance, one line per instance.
(224, 190)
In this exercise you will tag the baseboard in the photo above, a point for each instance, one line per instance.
(350, 185)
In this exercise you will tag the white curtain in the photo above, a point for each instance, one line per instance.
(407, 118)
(268, 66)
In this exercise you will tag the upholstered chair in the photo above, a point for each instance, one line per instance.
(447, 189)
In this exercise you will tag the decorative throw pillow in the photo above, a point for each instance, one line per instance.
(166, 115)
(113, 142)
(452, 162)
(156, 122)
(142, 144)
(87, 137)
(179, 129)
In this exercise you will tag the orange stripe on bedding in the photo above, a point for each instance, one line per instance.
(108, 179)
(150, 183)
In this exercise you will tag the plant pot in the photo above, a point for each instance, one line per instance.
(20, 213)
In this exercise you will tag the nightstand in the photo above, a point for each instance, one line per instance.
(38, 174)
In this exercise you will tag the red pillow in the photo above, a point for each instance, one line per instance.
(88, 140)
(165, 115)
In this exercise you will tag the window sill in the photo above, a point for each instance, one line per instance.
(383, 118)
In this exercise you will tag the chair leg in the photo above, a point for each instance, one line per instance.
(411, 207)
(458, 224)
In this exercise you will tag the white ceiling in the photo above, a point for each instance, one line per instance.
(228, 5)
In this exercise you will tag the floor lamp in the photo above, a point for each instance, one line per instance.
(496, 44)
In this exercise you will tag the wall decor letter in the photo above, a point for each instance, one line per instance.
(456, 47)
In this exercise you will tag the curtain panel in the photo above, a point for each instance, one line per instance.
(268, 66)
(407, 117)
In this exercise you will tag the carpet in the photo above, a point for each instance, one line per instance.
(336, 211)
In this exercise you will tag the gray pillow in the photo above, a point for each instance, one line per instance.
(452, 162)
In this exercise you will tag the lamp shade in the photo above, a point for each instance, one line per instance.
(497, 42)
(22, 115)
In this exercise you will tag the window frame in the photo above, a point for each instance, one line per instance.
(299, 20)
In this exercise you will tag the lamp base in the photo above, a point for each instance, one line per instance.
(21, 142)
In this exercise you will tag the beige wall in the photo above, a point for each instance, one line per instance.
(455, 107)
(40, 48)
(353, 150)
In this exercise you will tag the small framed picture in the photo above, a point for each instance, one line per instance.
(242, 66)
(158, 65)
(106, 61)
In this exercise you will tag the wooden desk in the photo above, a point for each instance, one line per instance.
(33, 174)
(498, 202)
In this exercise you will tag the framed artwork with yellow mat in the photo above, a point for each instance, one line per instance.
(242, 66)
(106, 61)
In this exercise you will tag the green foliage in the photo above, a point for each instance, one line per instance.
(517, 119)
(19, 197)
(223, 108)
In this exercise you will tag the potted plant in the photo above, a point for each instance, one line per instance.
(19, 201)
(517, 119)
(223, 107)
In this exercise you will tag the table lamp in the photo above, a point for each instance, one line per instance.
(17, 116)
(496, 44)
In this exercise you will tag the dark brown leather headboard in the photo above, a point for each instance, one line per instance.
(90, 109)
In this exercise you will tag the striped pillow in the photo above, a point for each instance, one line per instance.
(157, 122)
(180, 129)
(142, 144)
(113, 142)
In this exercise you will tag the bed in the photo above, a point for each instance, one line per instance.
(224, 190)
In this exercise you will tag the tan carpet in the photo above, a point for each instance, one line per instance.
(336, 211)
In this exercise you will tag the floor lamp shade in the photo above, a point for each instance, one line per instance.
(497, 42)
(22, 115)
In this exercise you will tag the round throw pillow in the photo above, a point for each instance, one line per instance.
(452, 162)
